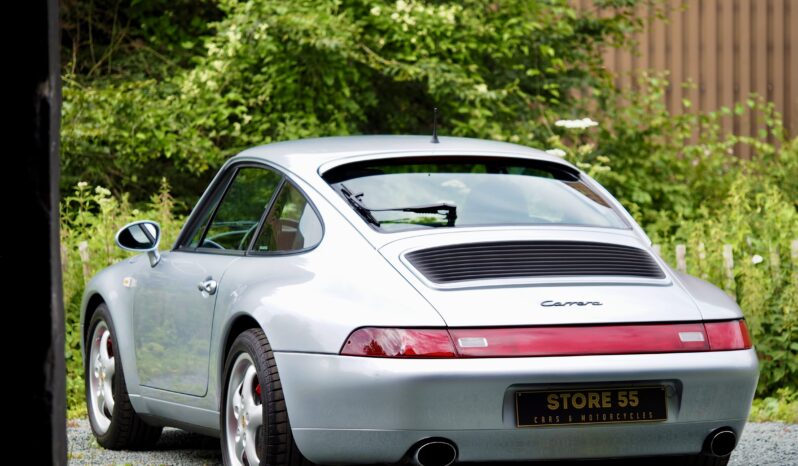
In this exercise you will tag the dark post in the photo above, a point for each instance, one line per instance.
(33, 321)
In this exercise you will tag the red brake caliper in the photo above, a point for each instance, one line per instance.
(257, 390)
(110, 348)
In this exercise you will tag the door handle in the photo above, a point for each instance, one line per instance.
(208, 285)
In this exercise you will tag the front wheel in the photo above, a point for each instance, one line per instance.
(113, 421)
(255, 428)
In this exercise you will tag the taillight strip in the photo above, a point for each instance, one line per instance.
(547, 341)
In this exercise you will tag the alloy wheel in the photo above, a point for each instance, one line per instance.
(103, 368)
(244, 419)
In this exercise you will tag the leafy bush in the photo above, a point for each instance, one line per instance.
(783, 406)
(89, 221)
(760, 228)
(666, 167)
(679, 178)
(174, 95)
(270, 71)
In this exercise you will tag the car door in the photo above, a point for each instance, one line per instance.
(174, 301)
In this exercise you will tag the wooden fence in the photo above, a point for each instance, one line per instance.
(728, 48)
(771, 260)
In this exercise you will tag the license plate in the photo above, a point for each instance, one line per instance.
(590, 406)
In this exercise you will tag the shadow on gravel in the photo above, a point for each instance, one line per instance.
(190, 445)
(207, 449)
(624, 462)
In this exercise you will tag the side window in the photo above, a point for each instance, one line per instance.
(291, 224)
(236, 219)
(202, 224)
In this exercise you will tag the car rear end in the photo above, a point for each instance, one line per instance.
(530, 369)
(564, 335)
(374, 410)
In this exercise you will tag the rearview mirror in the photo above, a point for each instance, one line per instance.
(141, 236)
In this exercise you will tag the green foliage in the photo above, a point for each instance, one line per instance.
(269, 71)
(155, 88)
(678, 176)
(666, 167)
(89, 221)
(107, 39)
(783, 406)
(121, 136)
(760, 228)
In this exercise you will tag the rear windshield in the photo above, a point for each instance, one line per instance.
(402, 194)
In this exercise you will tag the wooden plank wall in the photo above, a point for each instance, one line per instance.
(728, 48)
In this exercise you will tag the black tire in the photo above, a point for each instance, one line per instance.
(127, 431)
(275, 443)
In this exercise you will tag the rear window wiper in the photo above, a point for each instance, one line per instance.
(443, 208)
(354, 201)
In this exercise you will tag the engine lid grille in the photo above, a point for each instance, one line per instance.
(532, 259)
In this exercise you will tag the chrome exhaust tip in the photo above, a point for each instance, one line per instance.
(435, 453)
(721, 442)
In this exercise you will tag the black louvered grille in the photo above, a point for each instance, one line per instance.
(522, 259)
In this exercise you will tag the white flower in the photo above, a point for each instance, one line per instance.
(482, 88)
(756, 259)
(556, 152)
(376, 11)
(576, 124)
(82, 184)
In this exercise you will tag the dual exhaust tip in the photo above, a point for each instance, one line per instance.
(442, 452)
(433, 452)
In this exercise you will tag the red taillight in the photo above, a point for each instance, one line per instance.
(726, 336)
(399, 343)
(547, 341)
(570, 341)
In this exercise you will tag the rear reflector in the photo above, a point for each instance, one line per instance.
(547, 341)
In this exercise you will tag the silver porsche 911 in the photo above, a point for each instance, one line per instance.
(386, 299)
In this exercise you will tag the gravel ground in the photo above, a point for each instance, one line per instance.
(768, 443)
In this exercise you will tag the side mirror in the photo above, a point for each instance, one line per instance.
(141, 236)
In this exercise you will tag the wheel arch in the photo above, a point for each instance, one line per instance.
(238, 325)
(93, 301)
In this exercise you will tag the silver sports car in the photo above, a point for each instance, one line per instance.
(386, 299)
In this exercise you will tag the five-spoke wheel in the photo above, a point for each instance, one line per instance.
(115, 423)
(246, 416)
(103, 366)
(254, 421)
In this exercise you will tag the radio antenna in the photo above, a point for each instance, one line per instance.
(435, 126)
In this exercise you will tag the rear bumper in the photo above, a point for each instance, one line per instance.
(367, 410)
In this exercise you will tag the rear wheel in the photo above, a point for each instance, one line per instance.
(255, 428)
(113, 421)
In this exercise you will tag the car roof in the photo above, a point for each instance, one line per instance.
(310, 154)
